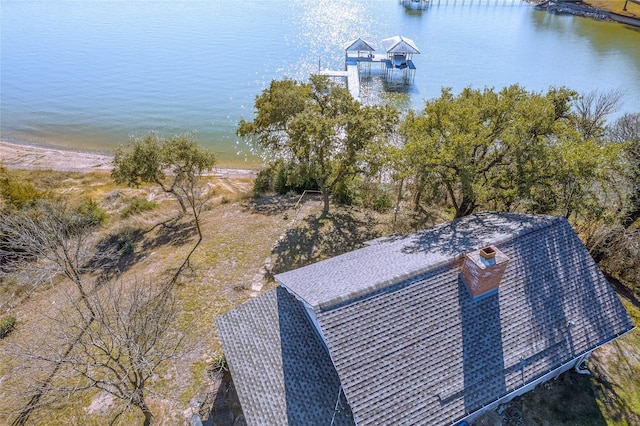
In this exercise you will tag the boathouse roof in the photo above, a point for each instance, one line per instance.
(400, 44)
(359, 45)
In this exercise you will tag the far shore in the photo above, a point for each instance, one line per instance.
(37, 157)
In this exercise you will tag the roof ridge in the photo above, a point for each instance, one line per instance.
(391, 282)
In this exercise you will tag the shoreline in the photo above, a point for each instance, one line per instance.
(585, 9)
(40, 157)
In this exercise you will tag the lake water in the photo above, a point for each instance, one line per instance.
(88, 74)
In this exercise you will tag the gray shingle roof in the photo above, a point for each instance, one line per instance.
(423, 351)
(394, 259)
(282, 372)
(408, 343)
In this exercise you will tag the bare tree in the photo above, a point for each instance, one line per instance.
(592, 110)
(116, 340)
(626, 130)
(49, 239)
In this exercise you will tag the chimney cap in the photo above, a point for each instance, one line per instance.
(487, 252)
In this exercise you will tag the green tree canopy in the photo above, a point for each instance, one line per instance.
(508, 150)
(319, 127)
(502, 150)
(174, 163)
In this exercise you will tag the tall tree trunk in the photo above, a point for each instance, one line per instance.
(183, 206)
(466, 207)
(325, 202)
(417, 198)
(148, 416)
(398, 199)
(142, 405)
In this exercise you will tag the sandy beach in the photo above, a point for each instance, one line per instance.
(33, 157)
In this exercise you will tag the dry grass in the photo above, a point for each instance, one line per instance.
(616, 6)
(241, 236)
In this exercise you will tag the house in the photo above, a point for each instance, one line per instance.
(432, 328)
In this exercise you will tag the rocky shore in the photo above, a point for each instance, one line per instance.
(578, 8)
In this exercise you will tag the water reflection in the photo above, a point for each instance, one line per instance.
(608, 39)
(325, 25)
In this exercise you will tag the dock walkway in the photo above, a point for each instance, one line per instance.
(356, 64)
(353, 78)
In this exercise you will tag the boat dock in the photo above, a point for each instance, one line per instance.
(352, 74)
(398, 57)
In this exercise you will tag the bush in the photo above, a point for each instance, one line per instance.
(347, 192)
(376, 196)
(6, 326)
(91, 212)
(137, 206)
(617, 251)
(18, 194)
(383, 201)
(283, 178)
(263, 182)
(218, 363)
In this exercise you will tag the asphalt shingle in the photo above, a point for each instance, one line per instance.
(407, 342)
(425, 350)
(282, 372)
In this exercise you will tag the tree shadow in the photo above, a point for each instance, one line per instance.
(469, 232)
(568, 400)
(119, 251)
(271, 204)
(316, 239)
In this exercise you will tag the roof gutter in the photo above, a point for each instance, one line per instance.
(517, 392)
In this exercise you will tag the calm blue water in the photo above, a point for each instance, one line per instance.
(87, 74)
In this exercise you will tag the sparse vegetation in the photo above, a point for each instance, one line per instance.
(6, 326)
(175, 164)
(137, 206)
(17, 193)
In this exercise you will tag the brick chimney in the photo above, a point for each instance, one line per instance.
(482, 270)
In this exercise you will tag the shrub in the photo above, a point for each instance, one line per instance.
(137, 206)
(347, 192)
(263, 182)
(18, 194)
(218, 363)
(376, 196)
(617, 251)
(382, 201)
(6, 326)
(91, 212)
(283, 178)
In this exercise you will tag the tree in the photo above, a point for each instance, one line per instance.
(54, 237)
(626, 131)
(320, 128)
(591, 110)
(48, 239)
(116, 341)
(488, 148)
(174, 163)
(582, 172)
